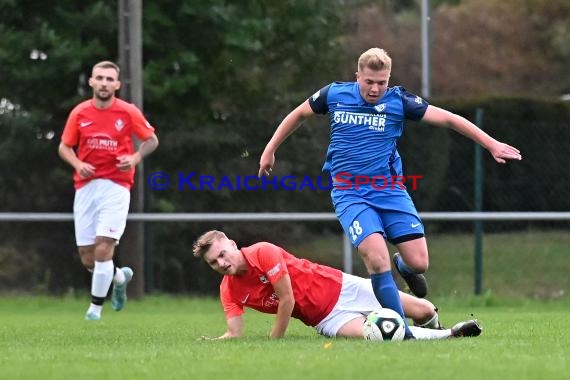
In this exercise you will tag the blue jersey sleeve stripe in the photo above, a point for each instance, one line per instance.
(414, 106)
(318, 101)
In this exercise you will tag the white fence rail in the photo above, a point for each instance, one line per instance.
(281, 216)
(288, 217)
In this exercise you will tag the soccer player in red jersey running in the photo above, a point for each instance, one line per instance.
(269, 279)
(97, 142)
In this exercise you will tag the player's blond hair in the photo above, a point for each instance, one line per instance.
(107, 65)
(375, 59)
(205, 241)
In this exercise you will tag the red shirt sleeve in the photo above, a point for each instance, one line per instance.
(231, 308)
(141, 127)
(70, 134)
(271, 262)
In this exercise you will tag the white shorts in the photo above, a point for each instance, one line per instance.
(356, 300)
(100, 208)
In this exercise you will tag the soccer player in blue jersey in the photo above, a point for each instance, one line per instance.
(366, 120)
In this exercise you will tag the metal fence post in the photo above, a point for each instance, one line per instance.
(347, 254)
(478, 202)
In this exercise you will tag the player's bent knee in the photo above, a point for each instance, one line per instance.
(426, 309)
(104, 248)
(418, 263)
(86, 255)
(88, 262)
(375, 263)
(422, 267)
(374, 253)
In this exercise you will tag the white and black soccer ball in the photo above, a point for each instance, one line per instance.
(384, 324)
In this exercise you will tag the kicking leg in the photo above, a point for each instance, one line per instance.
(374, 252)
(411, 261)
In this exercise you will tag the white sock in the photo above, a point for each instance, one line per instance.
(102, 278)
(119, 278)
(433, 323)
(429, 334)
(96, 309)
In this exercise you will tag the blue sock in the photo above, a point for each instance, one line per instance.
(402, 267)
(387, 294)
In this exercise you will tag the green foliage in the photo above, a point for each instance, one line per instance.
(46, 50)
(219, 76)
(216, 97)
(437, 3)
(535, 126)
(501, 47)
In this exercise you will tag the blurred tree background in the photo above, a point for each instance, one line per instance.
(218, 78)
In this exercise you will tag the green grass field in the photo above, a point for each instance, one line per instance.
(157, 338)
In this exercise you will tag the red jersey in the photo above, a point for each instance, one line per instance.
(316, 287)
(101, 135)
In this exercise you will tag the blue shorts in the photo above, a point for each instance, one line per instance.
(365, 211)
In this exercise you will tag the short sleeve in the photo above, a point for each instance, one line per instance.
(414, 106)
(272, 263)
(318, 101)
(231, 308)
(70, 136)
(141, 127)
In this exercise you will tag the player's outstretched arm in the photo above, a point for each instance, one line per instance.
(443, 118)
(289, 124)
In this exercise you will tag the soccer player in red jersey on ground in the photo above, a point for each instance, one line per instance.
(97, 142)
(269, 279)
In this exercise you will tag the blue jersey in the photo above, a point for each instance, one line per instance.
(363, 136)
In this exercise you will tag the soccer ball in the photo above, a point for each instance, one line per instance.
(384, 324)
